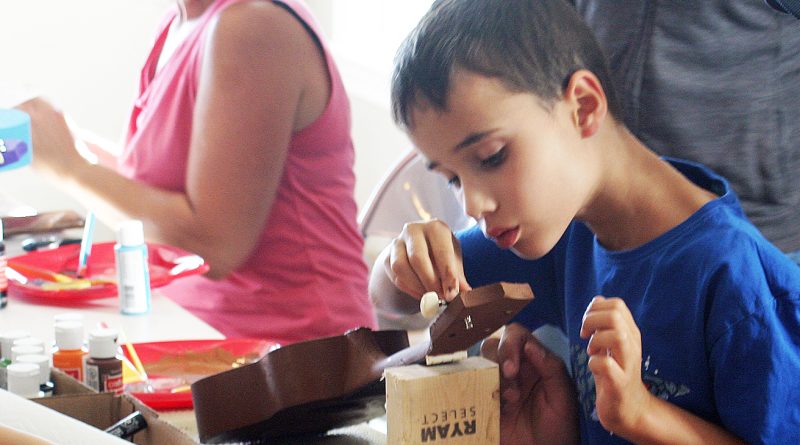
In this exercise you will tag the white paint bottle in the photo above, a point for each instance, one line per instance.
(133, 276)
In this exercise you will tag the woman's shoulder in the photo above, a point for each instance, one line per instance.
(246, 23)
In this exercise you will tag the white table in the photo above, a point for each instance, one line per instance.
(166, 320)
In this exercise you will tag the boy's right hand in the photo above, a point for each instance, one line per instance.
(426, 257)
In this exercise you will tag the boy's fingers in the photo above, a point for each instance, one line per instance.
(618, 345)
(596, 320)
(419, 257)
(605, 366)
(509, 388)
(546, 364)
(463, 284)
(445, 260)
(399, 270)
(510, 349)
(489, 348)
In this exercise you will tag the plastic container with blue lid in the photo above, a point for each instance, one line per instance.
(15, 139)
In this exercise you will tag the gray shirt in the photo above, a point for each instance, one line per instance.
(718, 82)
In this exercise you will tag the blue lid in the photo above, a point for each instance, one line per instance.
(15, 139)
(11, 118)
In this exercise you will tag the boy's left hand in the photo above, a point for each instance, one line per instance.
(615, 359)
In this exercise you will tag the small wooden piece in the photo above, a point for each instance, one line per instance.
(452, 404)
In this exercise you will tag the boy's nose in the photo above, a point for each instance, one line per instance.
(476, 203)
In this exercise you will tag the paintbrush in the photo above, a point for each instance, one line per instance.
(86, 245)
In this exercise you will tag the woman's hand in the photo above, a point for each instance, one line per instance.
(426, 257)
(539, 404)
(53, 142)
(615, 359)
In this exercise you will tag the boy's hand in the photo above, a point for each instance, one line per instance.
(427, 257)
(615, 359)
(539, 405)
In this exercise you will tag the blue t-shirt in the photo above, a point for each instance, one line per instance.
(717, 305)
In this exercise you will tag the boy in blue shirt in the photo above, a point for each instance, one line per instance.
(683, 321)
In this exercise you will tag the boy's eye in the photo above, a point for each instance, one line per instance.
(454, 182)
(494, 160)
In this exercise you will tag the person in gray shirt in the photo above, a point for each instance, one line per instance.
(714, 81)
(788, 6)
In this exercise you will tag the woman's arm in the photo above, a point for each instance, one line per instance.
(260, 65)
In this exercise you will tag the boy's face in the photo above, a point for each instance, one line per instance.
(522, 170)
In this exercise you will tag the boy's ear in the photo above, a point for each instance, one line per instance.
(588, 101)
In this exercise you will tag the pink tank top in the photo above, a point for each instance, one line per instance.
(307, 277)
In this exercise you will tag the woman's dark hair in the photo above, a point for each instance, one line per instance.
(530, 45)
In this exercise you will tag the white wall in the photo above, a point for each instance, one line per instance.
(86, 55)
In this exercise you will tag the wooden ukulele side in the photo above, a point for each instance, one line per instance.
(314, 386)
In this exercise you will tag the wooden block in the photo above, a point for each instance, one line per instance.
(456, 403)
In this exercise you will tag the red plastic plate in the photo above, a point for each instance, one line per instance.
(175, 364)
(166, 263)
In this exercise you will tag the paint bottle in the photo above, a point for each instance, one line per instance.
(133, 277)
(23, 379)
(29, 341)
(18, 350)
(7, 340)
(69, 357)
(103, 367)
(43, 362)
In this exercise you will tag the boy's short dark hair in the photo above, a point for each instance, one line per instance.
(530, 45)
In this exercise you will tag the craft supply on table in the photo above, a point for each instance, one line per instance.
(23, 379)
(7, 339)
(46, 242)
(128, 425)
(172, 366)
(43, 362)
(49, 275)
(103, 367)
(133, 276)
(15, 139)
(69, 357)
(86, 245)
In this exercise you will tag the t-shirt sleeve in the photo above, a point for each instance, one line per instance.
(755, 364)
(485, 263)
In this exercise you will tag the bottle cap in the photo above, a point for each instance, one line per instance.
(30, 341)
(103, 343)
(16, 351)
(69, 335)
(7, 341)
(130, 233)
(23, 379)
(40, 360)
(68, 316)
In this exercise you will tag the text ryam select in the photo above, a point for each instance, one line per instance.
(448, 423)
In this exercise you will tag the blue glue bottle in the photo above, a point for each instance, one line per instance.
(133, 276)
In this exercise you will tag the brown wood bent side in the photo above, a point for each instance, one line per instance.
(314, 386)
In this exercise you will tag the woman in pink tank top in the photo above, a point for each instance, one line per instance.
(238, 148)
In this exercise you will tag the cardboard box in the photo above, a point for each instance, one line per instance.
(102, 410)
